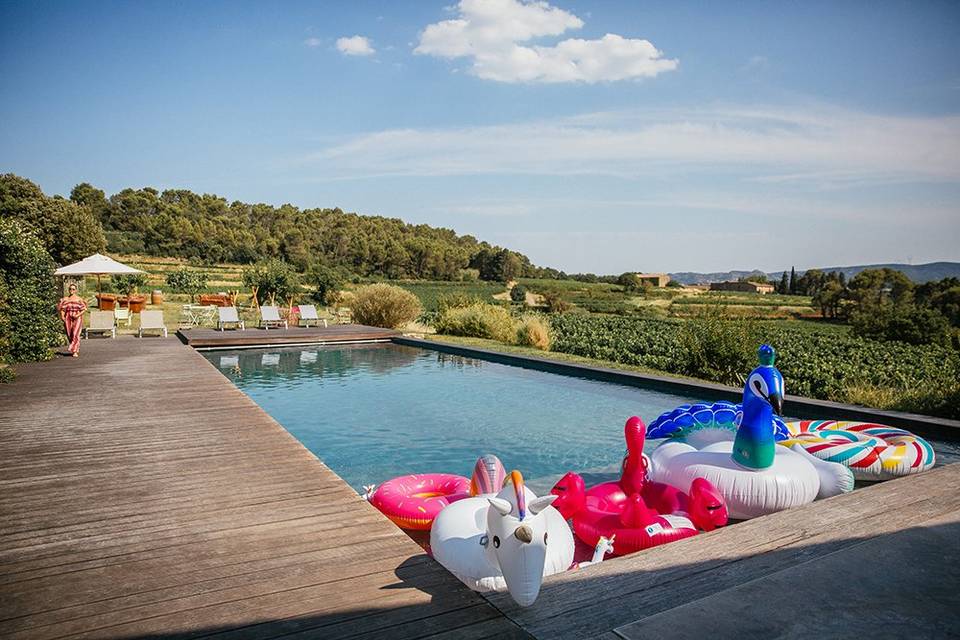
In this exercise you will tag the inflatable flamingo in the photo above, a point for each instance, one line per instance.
(638, 513)
(510, 541)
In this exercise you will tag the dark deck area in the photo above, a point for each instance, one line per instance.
(207, 338)
(143, 495)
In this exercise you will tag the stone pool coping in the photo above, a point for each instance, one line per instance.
(809, 408)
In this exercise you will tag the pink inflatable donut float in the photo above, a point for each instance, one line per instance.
(412, 502)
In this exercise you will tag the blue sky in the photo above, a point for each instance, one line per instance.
(592, 136)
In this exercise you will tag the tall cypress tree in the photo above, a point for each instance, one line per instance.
(793, 280)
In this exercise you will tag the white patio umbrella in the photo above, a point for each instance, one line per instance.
(95, 265)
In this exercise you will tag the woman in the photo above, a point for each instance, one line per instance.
(71, 311)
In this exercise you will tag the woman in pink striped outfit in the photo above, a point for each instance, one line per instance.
(71, 311)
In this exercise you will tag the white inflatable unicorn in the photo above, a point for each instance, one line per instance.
(504, 542)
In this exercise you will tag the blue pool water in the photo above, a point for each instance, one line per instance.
(373, 412)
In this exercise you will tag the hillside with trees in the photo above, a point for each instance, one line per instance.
(180, 223)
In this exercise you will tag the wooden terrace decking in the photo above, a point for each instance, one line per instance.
(143, 495)
(206, 338)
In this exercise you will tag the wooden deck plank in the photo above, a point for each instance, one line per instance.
(143, 494)
(205, 338)
(584, 604)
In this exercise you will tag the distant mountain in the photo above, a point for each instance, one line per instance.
(917, 272)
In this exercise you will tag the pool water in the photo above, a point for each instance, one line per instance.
(376, 411)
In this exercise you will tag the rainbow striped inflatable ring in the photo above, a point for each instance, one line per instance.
(871, 451)
(412, 502)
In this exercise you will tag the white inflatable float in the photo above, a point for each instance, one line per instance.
(504, 542)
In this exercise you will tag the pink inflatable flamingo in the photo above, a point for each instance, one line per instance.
(639, 512)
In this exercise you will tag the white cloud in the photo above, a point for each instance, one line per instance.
(355, 46)
(313, 43)
(823, 146)
(489, 32)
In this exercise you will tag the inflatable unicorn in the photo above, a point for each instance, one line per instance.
(753, 474)
(504, 542)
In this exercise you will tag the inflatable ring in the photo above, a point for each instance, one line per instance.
(871, 451)
(412, 502)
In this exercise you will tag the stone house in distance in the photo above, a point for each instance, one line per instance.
(746, 287)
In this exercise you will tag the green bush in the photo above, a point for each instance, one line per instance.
(274, 279)
(327, 282)
(29, 325)
(128, 283)
(534, 332)
(717, 348)
(385, 305)
(904, 322)
(554, 302)
(478, 321)
(518, 293)
(189, 281)
(457, 300)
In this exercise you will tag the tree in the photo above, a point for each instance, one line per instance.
(784, 287)
(518, 294)
(185, 280)
(29, 326)
(68, 231)
(327, 282)
(86, 195)
(273, 279)
(630, 281)
(385, 305)
(829, 298)
(129, 283)
(793, 280)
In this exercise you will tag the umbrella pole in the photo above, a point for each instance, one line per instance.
(99, 292)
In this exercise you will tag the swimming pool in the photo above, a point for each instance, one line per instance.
(375, 411)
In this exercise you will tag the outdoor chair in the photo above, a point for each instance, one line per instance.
(229, 315)
(270, 316)
(101, 322)
(121, 314)
(152, 321)
(308, 314)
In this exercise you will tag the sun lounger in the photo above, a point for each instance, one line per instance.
(229, 315)
(101, 322)
(308, 314)
(152, 321)
(270, 316)
(121, 314)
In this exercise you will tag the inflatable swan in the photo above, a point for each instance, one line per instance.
(634, 511)
(509, 541)
(754, 475)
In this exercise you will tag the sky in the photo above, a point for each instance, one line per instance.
(592, 136)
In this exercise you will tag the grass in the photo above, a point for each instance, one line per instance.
(430, 292)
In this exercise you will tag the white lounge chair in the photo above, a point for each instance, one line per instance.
(270, 316)
(308, 314)
(229, 315)
(121, 314)
(152, 321)
(101, 322)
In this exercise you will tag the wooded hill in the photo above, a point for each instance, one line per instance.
(180, 223)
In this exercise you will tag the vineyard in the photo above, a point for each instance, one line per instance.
(829, 366)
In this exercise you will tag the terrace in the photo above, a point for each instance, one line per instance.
(128, 515)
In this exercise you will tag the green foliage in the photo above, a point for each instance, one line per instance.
(68, 231)
(817, 364)
(185, 280)
(716, 348)
(385, 305)
(436, 294)
(29, 326)
(499, 265)
(327, 282)
(534, 332)
(630, 281)
(274, 280)
(518, 293)
(554, 302)
(128, 283)
(905, 322)
(478, 321)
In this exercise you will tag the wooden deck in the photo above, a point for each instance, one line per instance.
(143, 495)
(206, 338)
